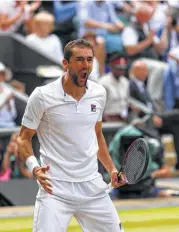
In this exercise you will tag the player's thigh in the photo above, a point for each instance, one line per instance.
(52, 215)
(99, 215)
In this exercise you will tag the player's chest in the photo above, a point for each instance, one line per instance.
(74, 111)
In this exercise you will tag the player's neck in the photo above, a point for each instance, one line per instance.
(71, 89)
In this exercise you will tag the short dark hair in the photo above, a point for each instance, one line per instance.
(76, 43)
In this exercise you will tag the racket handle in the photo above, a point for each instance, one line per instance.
(119, 176)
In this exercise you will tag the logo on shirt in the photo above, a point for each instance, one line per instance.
(93, 108)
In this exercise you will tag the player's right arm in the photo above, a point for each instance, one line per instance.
(33, 115)
(26, 154)
(25, 142)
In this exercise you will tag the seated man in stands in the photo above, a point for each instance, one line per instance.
(42, 39)
(141, 42)
(100, 18)
(167, 122)
(117, 89)
(171, 80)
(7, 104)
(65, 12)
(12, 166)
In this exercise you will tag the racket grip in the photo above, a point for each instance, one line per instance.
(119, 176)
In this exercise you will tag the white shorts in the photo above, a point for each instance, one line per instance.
(87, 202)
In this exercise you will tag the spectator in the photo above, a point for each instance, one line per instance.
(117, 89)
(17, 85)
(171, 81)
(12, 167)
(100, 17)
(65, 12)
(141, 42)
(162, 19)
(14, 13)
(164, 122)
(124, 10)
(159, 18)
(7, 105)
(173, 30)
(173, 38)
(42, 39)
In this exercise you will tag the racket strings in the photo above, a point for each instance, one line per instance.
(135, 162)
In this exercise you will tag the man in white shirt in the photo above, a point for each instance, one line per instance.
(67, 116)
(42, 39)
(117, 89)
(171, 80)
(165, 122)
(141, 42)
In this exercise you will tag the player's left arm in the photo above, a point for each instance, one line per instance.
(103, 154)
(105, 158)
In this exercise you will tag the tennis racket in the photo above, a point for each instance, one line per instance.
(135, 162)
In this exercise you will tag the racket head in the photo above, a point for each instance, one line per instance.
(135, 161)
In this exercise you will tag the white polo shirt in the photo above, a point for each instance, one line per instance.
(66, 129)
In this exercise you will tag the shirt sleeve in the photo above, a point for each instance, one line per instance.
(34, 110)
(129, 37)
(112, 14)
(103, 104)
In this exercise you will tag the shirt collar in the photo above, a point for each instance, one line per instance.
(60, 93)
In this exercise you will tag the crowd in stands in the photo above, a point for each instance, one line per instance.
(136, 45)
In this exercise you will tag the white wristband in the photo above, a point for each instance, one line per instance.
(31, 163)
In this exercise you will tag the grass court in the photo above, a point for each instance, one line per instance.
(138, 220)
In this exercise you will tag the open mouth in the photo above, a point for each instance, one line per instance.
(83, 75)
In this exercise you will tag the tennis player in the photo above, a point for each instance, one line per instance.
(67, 115)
